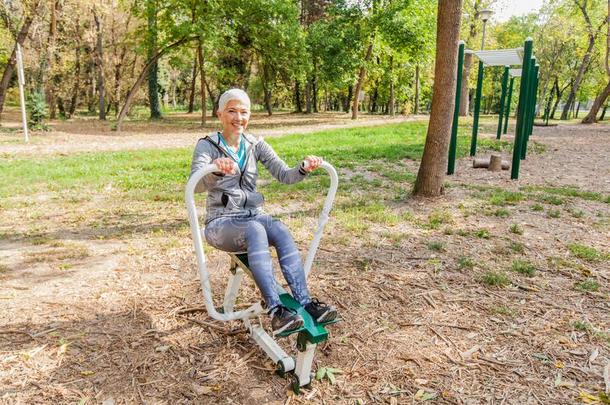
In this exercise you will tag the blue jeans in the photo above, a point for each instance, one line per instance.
(255, 234)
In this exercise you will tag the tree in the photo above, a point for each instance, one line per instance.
(153, 91)
(601, 99)
(433, 165)
(592, 34)
(20, 38)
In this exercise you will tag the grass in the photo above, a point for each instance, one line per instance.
(436, 246)
(496, 279)
(160, 175)
(523, 267)
(587, 253)
(482, 234)
(439, 217)
(567, 191)
(516, 229)
(502, 197)
(465, 262)
(516, 247)
(587, 285)
(537, 207)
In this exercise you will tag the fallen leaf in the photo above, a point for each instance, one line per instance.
(162, 349)
(202, 389)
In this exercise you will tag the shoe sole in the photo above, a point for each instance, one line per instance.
(296, 324)
(329, 315)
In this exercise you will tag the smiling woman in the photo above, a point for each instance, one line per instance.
(235, 221)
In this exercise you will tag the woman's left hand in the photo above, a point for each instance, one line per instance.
(312, 163)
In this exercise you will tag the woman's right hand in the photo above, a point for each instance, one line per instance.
(225, 165)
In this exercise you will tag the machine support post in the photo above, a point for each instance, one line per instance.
(477, 110)
(522, 108)
(502, 101)
(456, 111)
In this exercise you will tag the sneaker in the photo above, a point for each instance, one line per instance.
(284, 319)
(320, 311)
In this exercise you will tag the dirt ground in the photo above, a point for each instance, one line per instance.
(102, 302)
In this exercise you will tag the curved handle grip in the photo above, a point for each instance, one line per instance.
(204, 276)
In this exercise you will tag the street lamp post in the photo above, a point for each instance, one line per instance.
(484, 15)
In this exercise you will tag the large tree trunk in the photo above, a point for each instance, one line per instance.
(597, 104)
(153, 88)
(99, 53)
(10, 66)
(434, 160)
(360, 82)
(308, 97)
(464, 99)
(143, 74)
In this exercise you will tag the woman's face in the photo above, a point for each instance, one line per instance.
(234, 118)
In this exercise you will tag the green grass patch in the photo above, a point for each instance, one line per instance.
(516, 247)
(465, 262)
(482, 233)
(587, 253)
(501, 197)
(524, 267)
(516, 229)
(161, 174)
(501, 213)
(537, 207)
(436, 246)
(553, 213)
(496, 279)
(567, 191)
(551, 199)
(587, 285)
(439, 217)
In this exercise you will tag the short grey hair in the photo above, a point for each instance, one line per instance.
(233, 94)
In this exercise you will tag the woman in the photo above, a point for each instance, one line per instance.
(235, 220)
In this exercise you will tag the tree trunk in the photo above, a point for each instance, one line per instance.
(50, 50)
(583, 65)
(214, 98)
(599, 101)
(76, 89)
(434, 160)
(603, 113)
(297, 97)
(153, 90)
(99, 53)
(308, 97)
(464, 99)
(360, 82)
(416, 103)
(350, 91)
(203, 82)
(193, 87)
(143, 74)
(10, 66)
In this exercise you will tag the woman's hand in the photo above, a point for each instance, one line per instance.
(311, 163)
(225, 165)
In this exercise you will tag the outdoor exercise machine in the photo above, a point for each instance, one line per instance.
(527, 98)
(309, 336)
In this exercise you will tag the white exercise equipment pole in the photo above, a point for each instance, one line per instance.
(21, 80)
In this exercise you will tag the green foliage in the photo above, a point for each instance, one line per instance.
(37, 109)
(501, 197)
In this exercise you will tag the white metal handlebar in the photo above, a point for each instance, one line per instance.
(204, 276)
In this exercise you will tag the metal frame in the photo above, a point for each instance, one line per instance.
(286, 363)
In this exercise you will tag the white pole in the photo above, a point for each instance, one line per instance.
(21, 80)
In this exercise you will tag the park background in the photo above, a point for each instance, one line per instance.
(494, 291)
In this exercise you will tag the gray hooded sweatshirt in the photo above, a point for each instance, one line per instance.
(235, 194)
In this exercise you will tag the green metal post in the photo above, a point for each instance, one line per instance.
(502, 101)
(531, 108)
(509, 100)
(456, 111)
(477, 109)
(519, 132)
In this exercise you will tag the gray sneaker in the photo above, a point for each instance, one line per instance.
(284, 319)
(320, 311)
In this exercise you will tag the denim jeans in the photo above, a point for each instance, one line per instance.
(254, 234)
